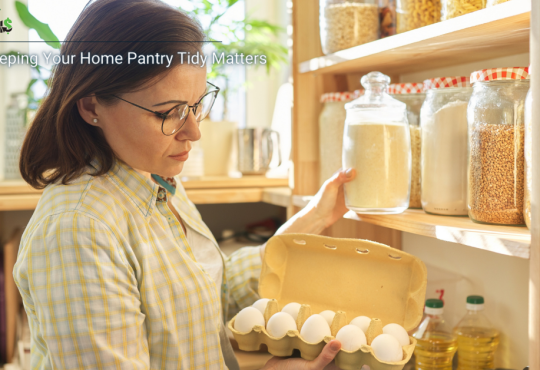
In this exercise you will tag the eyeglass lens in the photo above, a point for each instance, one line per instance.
(176, 118)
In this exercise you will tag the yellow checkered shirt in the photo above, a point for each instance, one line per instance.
(109, 281)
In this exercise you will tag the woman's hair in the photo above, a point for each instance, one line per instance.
(59, 144)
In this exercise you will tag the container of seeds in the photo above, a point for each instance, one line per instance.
(528, 157)
(413, 95)
(496, 120)
(347, 23)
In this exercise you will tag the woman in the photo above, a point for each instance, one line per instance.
(116, 267)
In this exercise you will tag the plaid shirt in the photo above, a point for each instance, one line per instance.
(108, 279)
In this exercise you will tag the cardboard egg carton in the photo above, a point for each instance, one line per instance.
(348, 276)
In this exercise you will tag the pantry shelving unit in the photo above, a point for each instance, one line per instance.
(506, 29)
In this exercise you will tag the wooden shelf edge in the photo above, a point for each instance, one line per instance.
(429, 41)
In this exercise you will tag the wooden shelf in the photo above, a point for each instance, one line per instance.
(493, 32)
(508, 240)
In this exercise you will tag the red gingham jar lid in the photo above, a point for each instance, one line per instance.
(338, 96)
(442, 82)
(498, 74)
(406, 88)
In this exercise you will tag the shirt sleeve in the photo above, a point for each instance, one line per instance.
(243, 269)
(78, 288)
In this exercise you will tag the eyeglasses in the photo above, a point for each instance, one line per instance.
(175, 118)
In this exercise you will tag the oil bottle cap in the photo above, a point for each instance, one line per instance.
(434, 307)
(475, 302)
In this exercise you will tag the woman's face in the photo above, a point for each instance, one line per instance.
(135, 134)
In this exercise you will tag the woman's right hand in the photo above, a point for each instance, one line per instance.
(327, 355)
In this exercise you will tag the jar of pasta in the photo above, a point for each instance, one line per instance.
(413, 95)
(376, 143)
(331, 123)
(496, 138)
(455, 8)
(443, 120)
(528, 158)
(347, 23)
(494, 2)
(412, 14)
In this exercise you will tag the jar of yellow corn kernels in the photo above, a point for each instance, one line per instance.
(455, 8)
(412, 14)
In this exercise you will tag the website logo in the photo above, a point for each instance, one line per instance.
(5, 26)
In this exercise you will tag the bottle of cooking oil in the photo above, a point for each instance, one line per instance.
(477, 339)
(436, 343)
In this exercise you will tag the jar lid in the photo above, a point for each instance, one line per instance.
(406, 88)
(442, 82)
(339, 96)
(498, 74)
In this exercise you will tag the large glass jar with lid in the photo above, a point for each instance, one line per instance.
(443, 121)
(528, 158)
(347, 23)
(331, 123)
(376, 143)
(412, 94)
(413, 14)
(455, 8)
(496, 117)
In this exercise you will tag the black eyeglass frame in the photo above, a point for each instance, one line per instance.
(193, 108)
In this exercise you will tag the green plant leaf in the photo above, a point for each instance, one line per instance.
(43, 29)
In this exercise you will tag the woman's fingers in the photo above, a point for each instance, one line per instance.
(327, 355)
(342, 176)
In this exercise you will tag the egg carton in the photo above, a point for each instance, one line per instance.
(345, 360)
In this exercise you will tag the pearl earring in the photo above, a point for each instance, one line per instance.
(95, 120)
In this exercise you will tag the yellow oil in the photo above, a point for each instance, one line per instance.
(476, 348)
(436, 352)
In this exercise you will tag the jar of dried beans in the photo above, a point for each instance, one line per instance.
(331, 123)
(443, 120)
(412, 14)
(496, 145)
(413, 95)
(528, 158)
(347, 23)
(455, 8)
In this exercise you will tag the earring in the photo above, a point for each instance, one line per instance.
(95, 120)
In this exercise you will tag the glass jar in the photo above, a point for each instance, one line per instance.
(496, 138)
(455, 8)
(528, 159)
(412, 95)
(331, 123)
(347, 23)
(413, 14)
(387, 17)
(443, 121)
(376, 143)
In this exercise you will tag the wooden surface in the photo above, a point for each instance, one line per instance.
(489, 33)
(508, 240)
(281, 196)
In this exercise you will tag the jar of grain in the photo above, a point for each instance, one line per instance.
(331, 123)
(443, 121)
(455, 8)
(347, 23)
(376, 143)
(528, 158)
(412, 14)
(496, 137)
(412, 94)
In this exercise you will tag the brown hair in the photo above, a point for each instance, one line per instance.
(59, 144)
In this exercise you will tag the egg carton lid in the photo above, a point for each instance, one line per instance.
(360, 277)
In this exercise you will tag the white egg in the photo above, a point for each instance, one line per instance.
(292, 309)
(362, 322)
(247, 319)
(351, 337)
(315, 329)
(261, 304)
(398, 332)
(387, 348)
(279, 324)
(328, 316)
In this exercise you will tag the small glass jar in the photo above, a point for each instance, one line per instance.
(413, 14)
(443, 121)
(376, 143)
(331, 123)
(496, 145)
(387, 17)
(347, 23)
(412, 95)
(455, 8)
(528, 158)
